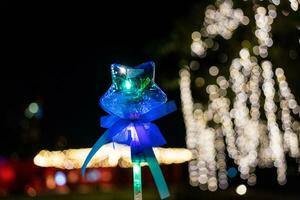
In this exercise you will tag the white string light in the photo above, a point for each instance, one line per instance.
(294, 4)
(287, 102)
(250, 140)
(222, 21)
(276, 142)
(263, 24)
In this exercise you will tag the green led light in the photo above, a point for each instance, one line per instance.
(128, 85)
(137, 181)
(144, 84)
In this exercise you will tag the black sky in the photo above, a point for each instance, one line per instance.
(59, 55)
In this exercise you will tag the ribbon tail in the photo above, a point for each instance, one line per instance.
(108, 121)
(156, 173)
(155, 136)
(105, 138)
(100, 142)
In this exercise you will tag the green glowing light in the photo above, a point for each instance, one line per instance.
(136, 169)
(128, 85)
(33, 108)
(137, 180)
(144, 84)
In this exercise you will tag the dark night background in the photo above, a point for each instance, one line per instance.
(59, 55)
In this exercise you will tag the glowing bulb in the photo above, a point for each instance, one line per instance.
(31, 192)
(93, 176)
(60, 178)
(137, 180)
(232, 172)
(33, 108)
(136, 168)
(122, 70)
(213, 70)
(50, 182)
(241, 189)
(128, 85)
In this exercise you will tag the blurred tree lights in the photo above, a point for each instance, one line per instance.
(251, 114)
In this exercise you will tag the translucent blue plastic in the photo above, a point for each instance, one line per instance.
(133, 92)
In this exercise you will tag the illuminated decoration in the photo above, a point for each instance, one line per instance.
(50, 182)
(7, 173)
(293, 3)
(263, 24)
(241, 189)
(276, 140)
(73, 177)
(287, 103)
(222, 21)
(137, 180)
(60, 178)
(133, 92)
(109, 155)
(93, 176)
(232, 172)
(31, 191)
(133, 102)
(33, 110)
(256, 126)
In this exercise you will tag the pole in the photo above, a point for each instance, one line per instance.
(137, 181)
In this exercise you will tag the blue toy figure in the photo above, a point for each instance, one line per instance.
(133, 102)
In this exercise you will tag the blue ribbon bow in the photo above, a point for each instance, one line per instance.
(141, 135)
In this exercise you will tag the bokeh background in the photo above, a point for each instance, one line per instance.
(56, 60)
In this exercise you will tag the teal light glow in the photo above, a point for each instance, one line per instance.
(137, 181)
(128, 85)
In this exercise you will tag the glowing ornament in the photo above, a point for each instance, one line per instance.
(133, 102)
